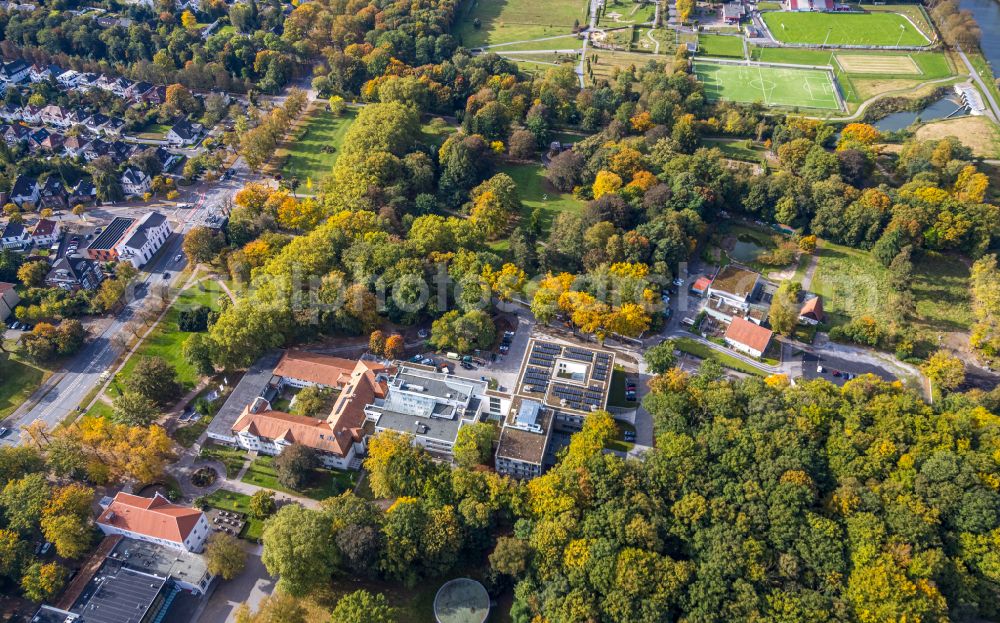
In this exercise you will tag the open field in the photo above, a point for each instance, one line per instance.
(977, 133)
(854, 284)
(874, 63)
(504, 21)
(311, 155)
(536, 192)
(843, 28)
(737, 148)
(17, 382)
(620, 13)
(720, 45)
(604, 62)
(566, 42)
(774, 86)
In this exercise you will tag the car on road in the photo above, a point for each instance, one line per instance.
(820, 369)
(678, 282)
(427, 361)
(166, 275)
(178, 257)
(423, 334)
(4, 431)
(416, 358)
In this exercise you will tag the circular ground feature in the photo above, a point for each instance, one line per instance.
(461, 600)
(152, 489)
(763, 85)
(204, 476)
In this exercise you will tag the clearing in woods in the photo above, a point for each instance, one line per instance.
(505, 21)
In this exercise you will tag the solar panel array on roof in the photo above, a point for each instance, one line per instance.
(575, 397)
(578, 354)
(538, 378)
(601, 367)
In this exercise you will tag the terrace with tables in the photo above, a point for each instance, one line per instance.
(229, 522)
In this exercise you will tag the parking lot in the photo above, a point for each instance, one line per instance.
(839, 370)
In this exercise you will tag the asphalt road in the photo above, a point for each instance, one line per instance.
(65, 390)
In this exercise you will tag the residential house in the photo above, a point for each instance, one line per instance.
(747, 337)
(146, 237)
(52, 143)
(32, 115)
(74, 273)
(55, 116)
(8, 300)
(15, 133)
(120, 87)
(25, 191)
(38, 73)
(15, 236)
(812, 311)
(137, 90)
(732, 294)
(83, 193)
(45, 232)
(135, 182)
(36, 138)
(121, 151)
(701, 286)
(52, 193)
(77, 116)
(114, 126)
(183, 133)
(10, 112)
(156, 96)
(103, 82)
(86, 81)
(155, 520)
(95, 149)
(74, 145)
(104, 247)
(14, 72)
(96, 122)
(733, 12)
(68, 79)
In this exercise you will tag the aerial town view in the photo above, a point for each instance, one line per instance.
(506, 311)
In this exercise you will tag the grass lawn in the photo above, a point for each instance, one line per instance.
(326, 483)
(692, 347)
(187, 435)
(166, 340)
(619, 443)
(304, 158)
(854, 284)
(101, 409)
(232, 458)
(616, 395)
(976, 132)
(154, 131)
(720, 45)
(227, 500)
(843, 28)
(931, 65)
(567, 42)
(18, 380)
(773, 86)
(516, 20)
(537, 192)
(737, 149)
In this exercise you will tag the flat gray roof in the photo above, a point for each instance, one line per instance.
(252, 385)
(160, 560)
(118, 595)
(439, 428)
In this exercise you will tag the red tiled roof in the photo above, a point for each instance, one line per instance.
(702, 284)
(5, 287)
(813, 308)
(310, 432)
(749, 334)
(44, 227)
(154, 517)
(315, 368)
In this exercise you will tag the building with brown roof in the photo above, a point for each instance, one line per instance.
(301, 369)
(338, 440)
(156, 520)
(8, 300)
(812, 311)
(747, 337)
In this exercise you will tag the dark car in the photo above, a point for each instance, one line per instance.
(166, 275)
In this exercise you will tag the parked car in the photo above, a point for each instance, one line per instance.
(467, 365)
(836, 373)
(4, 431)
(820, 369)
(178, 257)
(423, 334)
(45, 548)
(427, 361)
(166, 275)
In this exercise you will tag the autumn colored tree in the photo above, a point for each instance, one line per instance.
(394, 346)
(376, 343)
(944, 370)
(606, 182)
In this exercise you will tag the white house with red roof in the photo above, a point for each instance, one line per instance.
(747, 337)
(155, 520)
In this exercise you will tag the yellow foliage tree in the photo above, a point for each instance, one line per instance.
(606, 182)
(188, 20)
(971, 185)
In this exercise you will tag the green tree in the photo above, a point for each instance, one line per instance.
(202, 244)
(225, 556)
(945, 370)
(67, 520)
(134, 409)
(42, 582)
(23, 501)
(155, 379)
(311, 400)
(299, 549)
(33, 274)
(294, 466)
(363, 607)
(660, 358)
(262, 504)
(197, 351)
(395, 466)
(784, 314)
(278, 607)
(474, 444)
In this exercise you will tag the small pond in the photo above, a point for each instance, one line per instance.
(745, 249)
(940, 109)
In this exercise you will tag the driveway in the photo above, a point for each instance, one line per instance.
(249, 587)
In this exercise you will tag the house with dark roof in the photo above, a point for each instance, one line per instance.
(37, 137)
(155, 520)
(52, 193)
(135, 182)
(103, 248)
(96, 122)
(14, 72)
(137, 90)
(73, 146)
(8, 300)
(25, 191)
(114, 126)
(52, 143)
(15, 133)
(15, 236)
(144, 239)
(156, 96)
(74, 273)
(83, 193)
(10, 112)
(183, 133)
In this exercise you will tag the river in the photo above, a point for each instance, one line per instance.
(987, 13)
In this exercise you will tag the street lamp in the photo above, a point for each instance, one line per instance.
(902, 29)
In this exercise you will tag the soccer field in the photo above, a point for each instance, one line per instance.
(843, 28)
(774, 86)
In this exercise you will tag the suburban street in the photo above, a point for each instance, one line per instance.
(63, 392)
